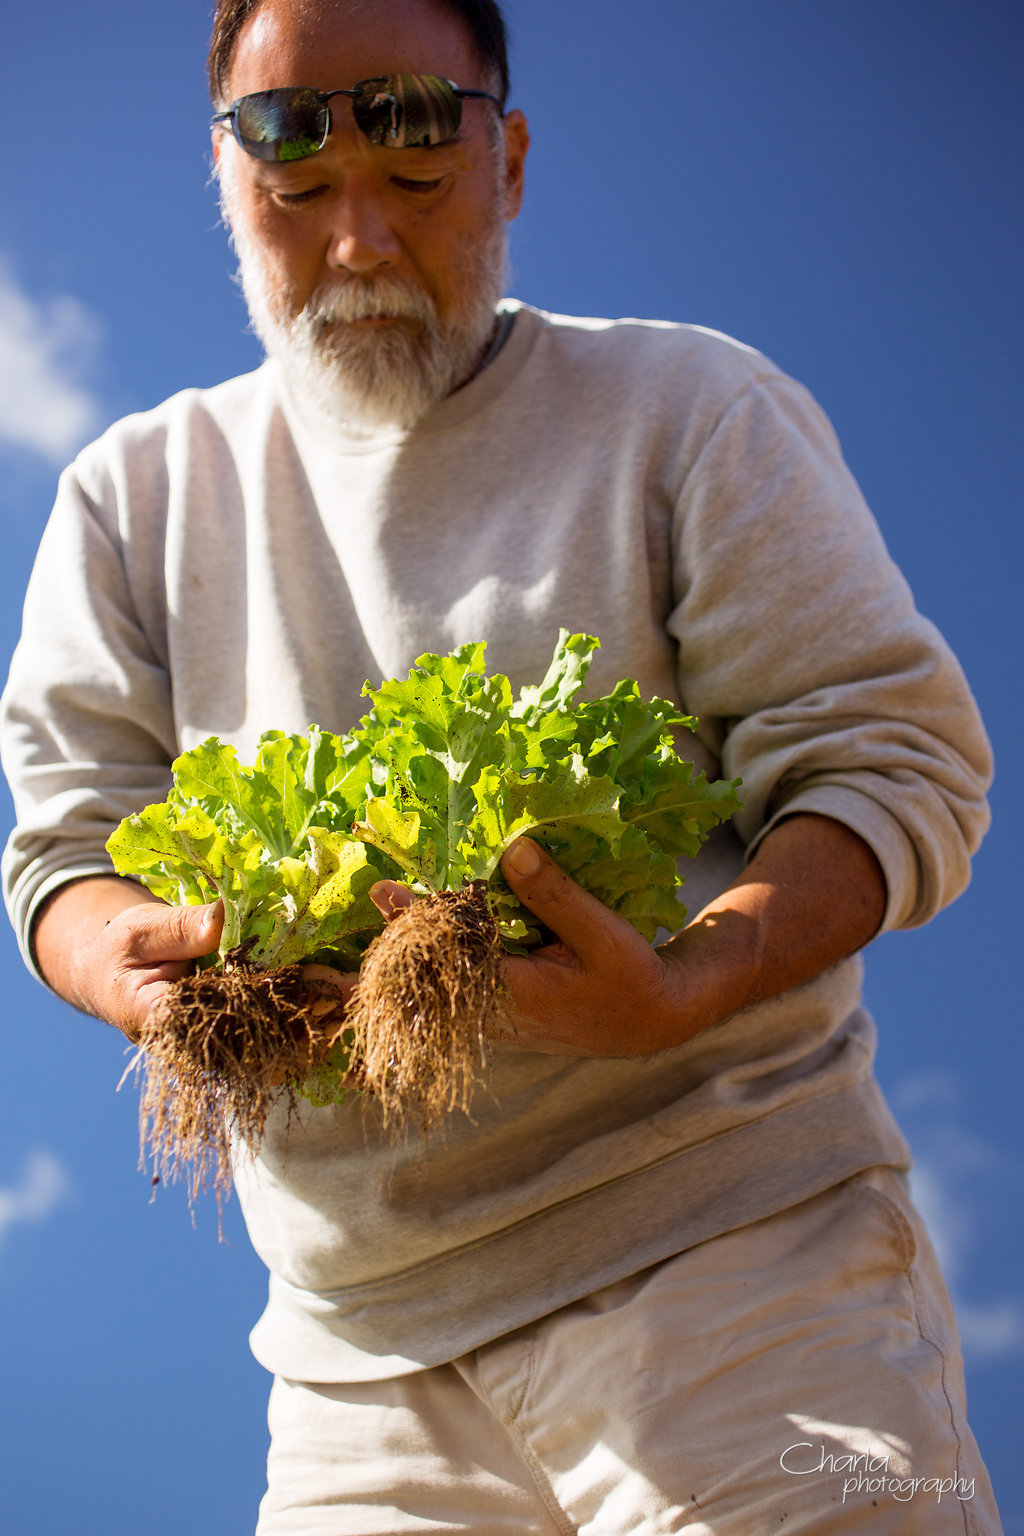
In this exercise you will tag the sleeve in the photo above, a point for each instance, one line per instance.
(86, 721)
(800, 649)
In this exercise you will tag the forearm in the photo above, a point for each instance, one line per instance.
(812, 894)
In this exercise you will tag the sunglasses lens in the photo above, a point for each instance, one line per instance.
(281, 125)
(407, 111)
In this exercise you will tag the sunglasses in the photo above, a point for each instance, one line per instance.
(397, 111)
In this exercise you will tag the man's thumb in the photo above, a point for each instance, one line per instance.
(179, 933)
(569, 911)
(206, 926)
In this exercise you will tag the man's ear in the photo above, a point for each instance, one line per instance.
(517, 142)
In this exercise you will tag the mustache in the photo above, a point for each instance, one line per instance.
(369, 298)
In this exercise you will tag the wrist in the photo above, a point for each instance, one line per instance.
(716, 968)
(66, 931)
(813, 894)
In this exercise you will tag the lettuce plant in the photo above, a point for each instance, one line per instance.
(446, 769)
(439, 777)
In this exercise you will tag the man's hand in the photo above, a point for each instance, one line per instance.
(112, 949)
(600, 989)
(812, 894)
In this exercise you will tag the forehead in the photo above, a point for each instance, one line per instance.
(331, 43)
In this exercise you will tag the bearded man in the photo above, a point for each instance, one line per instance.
(665, 1275)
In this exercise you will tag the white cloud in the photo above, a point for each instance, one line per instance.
(43, 1186)
(953, 1168)
(948, 1223)
(991, 1331)
(928, 1089)
(989, 1328)
(46, 347)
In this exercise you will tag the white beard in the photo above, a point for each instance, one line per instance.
(390, 374)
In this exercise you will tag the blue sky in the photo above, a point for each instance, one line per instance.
(836, 184)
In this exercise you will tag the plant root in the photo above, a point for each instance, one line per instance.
(429, 986)
(217, 1053)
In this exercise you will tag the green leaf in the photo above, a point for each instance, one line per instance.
(324, 1085)
(679, 807)
(211, 776)
(321, 900)
(631, 877)
(509, 805)
(402, 836)
(563, 679)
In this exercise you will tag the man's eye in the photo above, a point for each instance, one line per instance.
(296, 199)
(409, 184)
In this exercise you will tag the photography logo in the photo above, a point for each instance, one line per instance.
(868, 1472)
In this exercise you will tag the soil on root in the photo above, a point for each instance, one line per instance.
(429, 986)
(217, 1053)
(225, 1045)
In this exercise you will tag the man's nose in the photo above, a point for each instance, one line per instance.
(362, 237)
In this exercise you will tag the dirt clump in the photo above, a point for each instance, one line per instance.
(217, 1052)
(429, 986)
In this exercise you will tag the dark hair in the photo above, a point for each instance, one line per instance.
(482, 19)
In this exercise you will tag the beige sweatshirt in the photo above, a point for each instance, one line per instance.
(226, 565)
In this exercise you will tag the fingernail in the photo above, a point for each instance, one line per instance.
(523, 857)
(212, 915)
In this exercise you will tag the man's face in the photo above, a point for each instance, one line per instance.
(371, 272)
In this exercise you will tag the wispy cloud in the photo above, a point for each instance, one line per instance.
(953, 1168)
(46, 349)
(42, 1187)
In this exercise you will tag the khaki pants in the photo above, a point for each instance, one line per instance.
(801, 1374)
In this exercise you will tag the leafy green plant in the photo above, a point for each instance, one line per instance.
(441, 775)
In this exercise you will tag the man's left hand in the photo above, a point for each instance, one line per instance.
(600, 989)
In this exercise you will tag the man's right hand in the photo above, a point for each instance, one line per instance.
(110, 948)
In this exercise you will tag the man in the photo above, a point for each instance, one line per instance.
(666, 1275)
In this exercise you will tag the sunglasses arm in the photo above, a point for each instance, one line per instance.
(478, 95)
